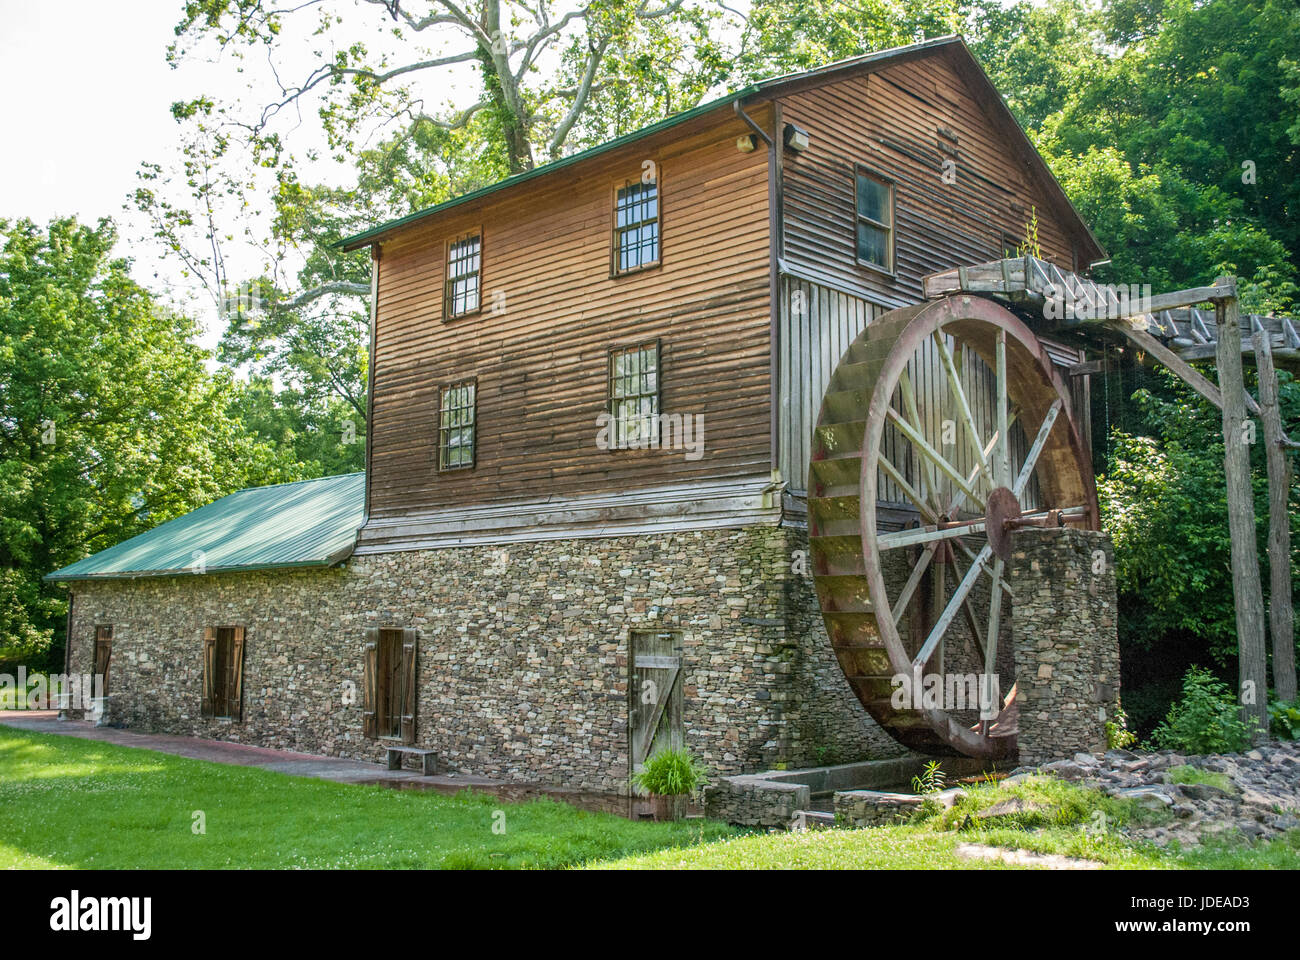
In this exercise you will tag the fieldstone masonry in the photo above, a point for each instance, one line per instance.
(1065, 640)
(522, 657)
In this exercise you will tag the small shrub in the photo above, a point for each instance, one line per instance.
(1118, 735)
(670, 773)
(1284, 719)
(1205, 720)
(931, 780)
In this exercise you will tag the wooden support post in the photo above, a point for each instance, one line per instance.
(1247, 594)
(1281, 615)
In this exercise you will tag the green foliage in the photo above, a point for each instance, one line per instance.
(1284, 719)
(110, 421)
(670, 772)
(1118, 735)
(1206, 719)
(931, 780)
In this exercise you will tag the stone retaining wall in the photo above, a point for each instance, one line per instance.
(1065, 638)
(523, 648)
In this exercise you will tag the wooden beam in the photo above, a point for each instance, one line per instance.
(1281, 614)
(1189, 374)
(1248, 595)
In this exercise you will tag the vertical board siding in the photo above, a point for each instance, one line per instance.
(817, 326)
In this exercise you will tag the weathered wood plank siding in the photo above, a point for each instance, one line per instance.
(894, 122)
(541, 358)
(817, 325)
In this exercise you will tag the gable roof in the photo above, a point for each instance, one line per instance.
(310, 523)
(953, 46)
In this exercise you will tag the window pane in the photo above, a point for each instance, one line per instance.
(873, 244)
(873, 199)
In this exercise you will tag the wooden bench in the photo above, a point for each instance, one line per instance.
(428, 759)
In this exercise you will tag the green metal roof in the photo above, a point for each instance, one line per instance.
(311, 523)
(829, 71)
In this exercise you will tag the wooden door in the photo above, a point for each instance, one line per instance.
(103, 653)
(654, 694)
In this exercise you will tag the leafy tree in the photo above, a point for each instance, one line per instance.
(109, 419)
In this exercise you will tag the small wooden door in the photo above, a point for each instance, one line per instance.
(103, 653)
(654, 694)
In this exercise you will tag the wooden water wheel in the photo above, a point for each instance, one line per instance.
(943, 429)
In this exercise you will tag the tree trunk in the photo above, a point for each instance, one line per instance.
(1281, 615)
(1247, 594)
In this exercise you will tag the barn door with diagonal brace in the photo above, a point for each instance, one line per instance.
(655, 693)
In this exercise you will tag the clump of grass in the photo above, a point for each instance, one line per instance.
(1190, 774)
(1044, 802)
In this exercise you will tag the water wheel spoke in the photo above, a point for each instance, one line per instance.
(950, 611)
(995, 614)
(914, 580)
(1004, 425)
(914, 420)
(959, 499)
(912, 493)
(963, 407)
(937, 459)
(928, 534)
(970, 555)
(1031, 458)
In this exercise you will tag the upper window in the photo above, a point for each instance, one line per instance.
(456, 426)
(464, 275)
(636, 226)
(634, 395)
(875, 220)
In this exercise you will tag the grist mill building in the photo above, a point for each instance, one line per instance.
(606, 456)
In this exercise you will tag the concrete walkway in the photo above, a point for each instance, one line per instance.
(336, 769)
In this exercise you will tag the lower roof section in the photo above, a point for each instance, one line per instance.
(311, 523)
(738, 502)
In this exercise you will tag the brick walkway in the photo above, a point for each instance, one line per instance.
(300, 764)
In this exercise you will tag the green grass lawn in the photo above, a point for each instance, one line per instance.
(66, 802)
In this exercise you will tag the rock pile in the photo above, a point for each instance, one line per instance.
(1254, 794)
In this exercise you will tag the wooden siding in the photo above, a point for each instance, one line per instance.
(817, 325)
(541, 362)
(892, 121)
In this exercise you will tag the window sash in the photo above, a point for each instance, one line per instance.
(634, 380)
(456, 425)
(636, 226)
(873, 199)
(464, 275)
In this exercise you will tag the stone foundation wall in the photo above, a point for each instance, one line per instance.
(755, 801)
(1065, 640)
(522, 658)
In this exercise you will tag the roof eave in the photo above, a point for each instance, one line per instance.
(375, 234)
(316, 562)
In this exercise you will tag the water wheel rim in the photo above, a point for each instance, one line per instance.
(1038, 387)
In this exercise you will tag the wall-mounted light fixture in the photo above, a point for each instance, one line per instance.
(747, 143)
(795, 138)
